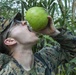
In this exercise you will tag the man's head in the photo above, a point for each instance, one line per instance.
(17, 33)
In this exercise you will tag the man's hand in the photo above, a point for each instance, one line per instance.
(50, 28)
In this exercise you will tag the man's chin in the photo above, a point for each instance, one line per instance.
(32, 41)
(36, 40)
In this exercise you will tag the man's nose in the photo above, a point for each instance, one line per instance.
(24, 22)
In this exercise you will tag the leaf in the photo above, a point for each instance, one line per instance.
(73, 60)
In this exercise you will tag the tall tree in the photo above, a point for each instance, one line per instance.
(74, 9)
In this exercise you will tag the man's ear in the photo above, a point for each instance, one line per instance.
(10, 41)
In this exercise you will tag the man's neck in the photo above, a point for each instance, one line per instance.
(25, 58)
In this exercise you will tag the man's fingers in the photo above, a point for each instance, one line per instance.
(49, 21)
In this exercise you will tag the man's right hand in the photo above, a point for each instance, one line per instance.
(50, 28)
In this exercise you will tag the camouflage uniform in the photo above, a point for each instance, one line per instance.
(53, 56)
(4, 59)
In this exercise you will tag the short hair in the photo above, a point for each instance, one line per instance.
(3, 33)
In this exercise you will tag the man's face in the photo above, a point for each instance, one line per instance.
(23, 35)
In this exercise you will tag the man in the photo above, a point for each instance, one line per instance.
(18, 39)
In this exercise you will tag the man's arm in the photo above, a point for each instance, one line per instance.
(50, 54)
(67, 41)
(64, 37)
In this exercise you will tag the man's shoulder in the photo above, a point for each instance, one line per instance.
(4, 59)
(9, 69)
(6, 70)
(12, 68)
(42, 67)
(50, 56)
(4, 55)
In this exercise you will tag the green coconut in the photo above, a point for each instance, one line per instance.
(37, 18)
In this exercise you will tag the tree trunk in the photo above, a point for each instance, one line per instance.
(74, 9)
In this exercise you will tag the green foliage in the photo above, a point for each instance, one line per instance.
(44, 41)
(68, 68)
(8, 8)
